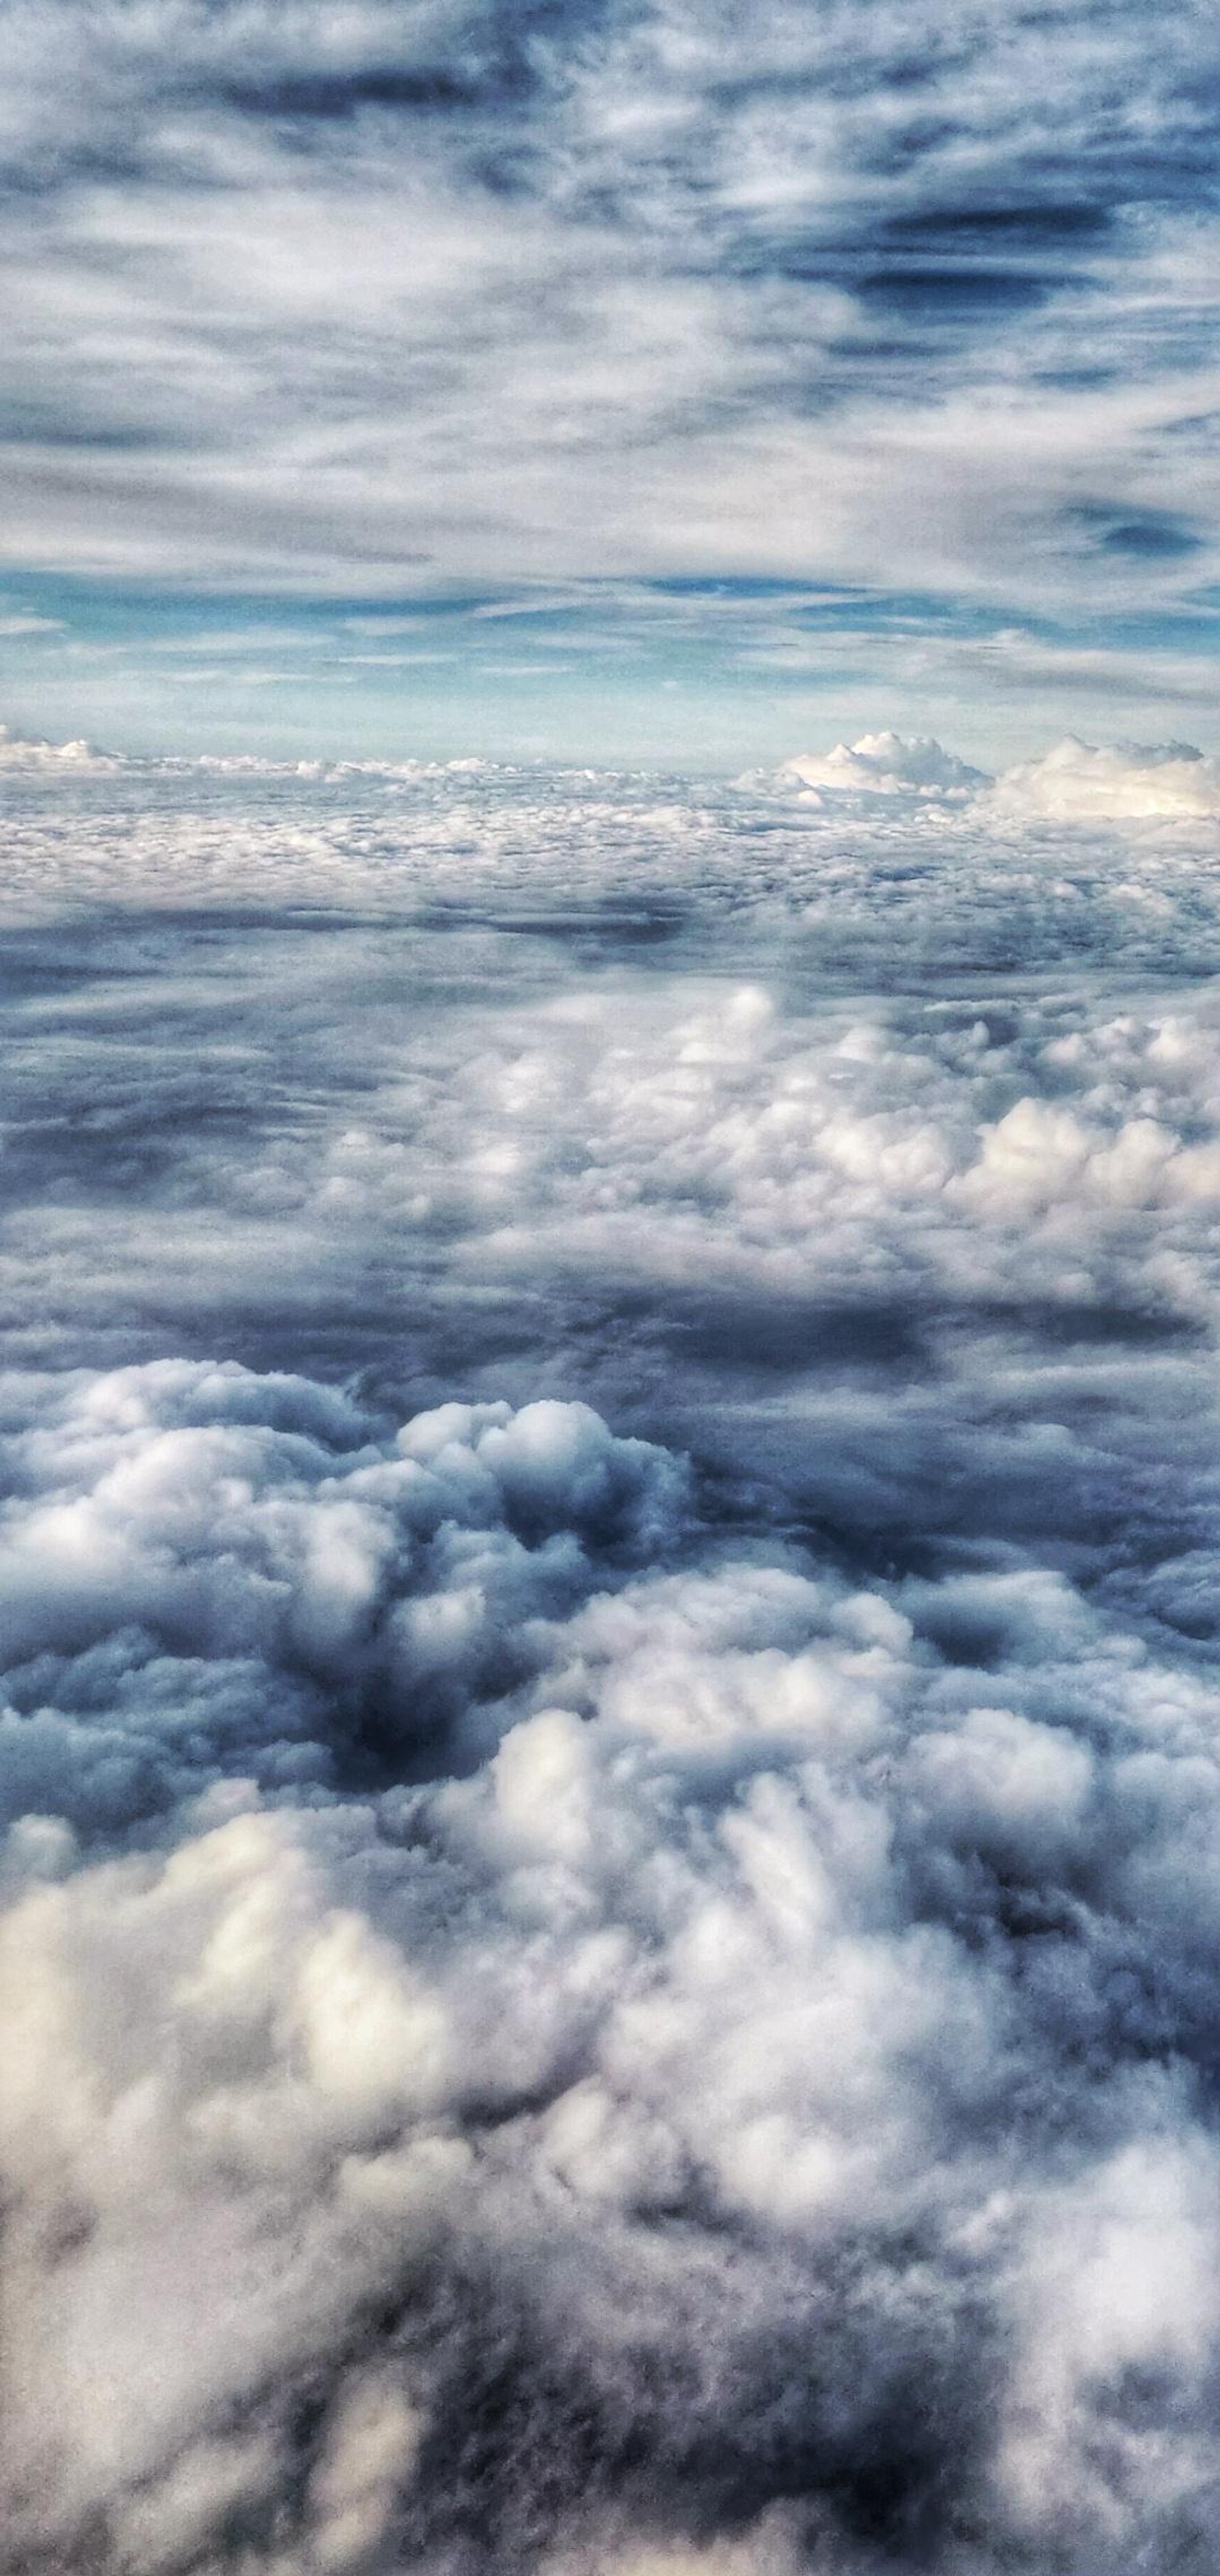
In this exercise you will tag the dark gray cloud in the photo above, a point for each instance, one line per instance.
(608, 1670)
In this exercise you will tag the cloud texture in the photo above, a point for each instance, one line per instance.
(768, 2096)
(608, 1655)
(363, 296)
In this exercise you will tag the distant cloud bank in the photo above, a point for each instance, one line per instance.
(1076, 782)
(33, 751)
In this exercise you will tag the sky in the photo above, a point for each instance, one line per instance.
(651, 383)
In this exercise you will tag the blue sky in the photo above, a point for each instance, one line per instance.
(631, 381)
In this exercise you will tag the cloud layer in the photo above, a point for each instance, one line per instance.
(608, 1659)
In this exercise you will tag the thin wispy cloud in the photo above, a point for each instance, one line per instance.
(370, 298)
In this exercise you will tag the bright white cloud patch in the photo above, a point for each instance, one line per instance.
(1077, 783)
(888, 764)
(23, 751)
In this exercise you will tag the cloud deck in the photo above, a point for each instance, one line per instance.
(607, 1604)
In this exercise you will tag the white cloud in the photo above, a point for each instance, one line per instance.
(692, 2039)
(888, 764)
(30, 751)
(253, 1548)
(1074, 782)
(1120, 782)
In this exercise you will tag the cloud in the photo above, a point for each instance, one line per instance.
(888, 764)
(216, 1551)
(1077, 783)
(25, 751)
(615, 293)
(608, 1665)
(787, 1182)
(613, 2081)
(1073, 782)
(609, 1794)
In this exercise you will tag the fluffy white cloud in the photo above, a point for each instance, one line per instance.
(1075, 782)
(206, 1572)
(889, 764)
(25, 751)
(1119, 783)
(670, 2116)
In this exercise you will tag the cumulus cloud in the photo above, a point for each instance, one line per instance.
(203, 1566)
(1127, 782)
(763, 2096)
(888, 764)
(32, 751)
(1074, 782)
